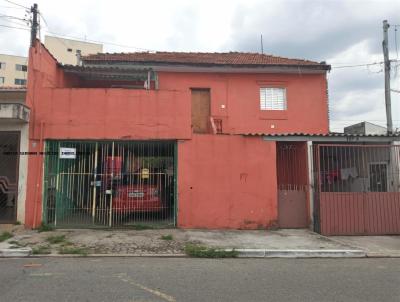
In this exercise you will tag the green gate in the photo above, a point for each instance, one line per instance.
(110, 183)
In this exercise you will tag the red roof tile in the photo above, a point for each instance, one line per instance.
(199, 58)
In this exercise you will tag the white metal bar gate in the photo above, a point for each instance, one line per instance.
(110, 183)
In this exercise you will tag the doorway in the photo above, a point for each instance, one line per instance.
(9, 164)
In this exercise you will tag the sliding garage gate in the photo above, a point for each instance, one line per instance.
(110, 184)
(357, 189)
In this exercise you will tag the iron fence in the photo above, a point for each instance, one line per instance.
(110, 183)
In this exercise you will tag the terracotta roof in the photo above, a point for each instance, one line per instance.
(200, 58)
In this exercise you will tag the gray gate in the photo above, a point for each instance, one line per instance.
(110, 184)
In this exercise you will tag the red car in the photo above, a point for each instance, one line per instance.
(137, 198)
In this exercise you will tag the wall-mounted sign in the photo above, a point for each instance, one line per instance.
(145, 173)
(68, 153)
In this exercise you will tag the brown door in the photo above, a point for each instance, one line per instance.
(9, 147)
(292, 209)
(200, 110)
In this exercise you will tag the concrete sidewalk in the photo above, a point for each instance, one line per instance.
(374, 246)
(172, 242)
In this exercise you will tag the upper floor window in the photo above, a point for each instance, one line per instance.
(20, 82)
(2, 80)
(273, 98)
(21, 67)
(2, 65)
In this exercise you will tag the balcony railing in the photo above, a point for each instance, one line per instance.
(14, 112)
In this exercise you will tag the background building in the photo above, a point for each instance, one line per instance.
(13, 70)
(67, 51)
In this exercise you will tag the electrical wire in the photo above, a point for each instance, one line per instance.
(17, 4)
(14, 27)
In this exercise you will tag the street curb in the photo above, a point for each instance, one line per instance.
(20, 252)
(267, 253)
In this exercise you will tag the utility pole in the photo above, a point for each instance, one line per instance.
(388, 101)
(35, 25)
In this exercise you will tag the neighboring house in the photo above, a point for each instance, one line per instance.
(14, 118)
(13, 71)
(163, 138)
(68, 51)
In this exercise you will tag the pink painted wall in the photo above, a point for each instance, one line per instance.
(96, 113)
(306, 100)
(233, 178)
(226, 181)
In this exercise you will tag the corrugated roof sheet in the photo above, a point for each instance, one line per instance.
(331, 134)
(201, 58)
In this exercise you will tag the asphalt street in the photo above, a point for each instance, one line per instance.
(185, 279)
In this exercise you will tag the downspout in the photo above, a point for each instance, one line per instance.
(38, 176)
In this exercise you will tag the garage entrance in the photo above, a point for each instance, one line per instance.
(110, 184)
(357, 189)
(9, 160)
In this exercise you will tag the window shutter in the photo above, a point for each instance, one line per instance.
(273, 98)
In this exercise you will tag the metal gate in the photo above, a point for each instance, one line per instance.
(9, 164)
(292, 184)
(110, 183)
(357, 189)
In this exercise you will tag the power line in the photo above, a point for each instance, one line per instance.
(17, 4)
(17, 23)
(101, 42)
(12, 17)
(358, 65)
(14, 27)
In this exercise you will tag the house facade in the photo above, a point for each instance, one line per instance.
(166, 138)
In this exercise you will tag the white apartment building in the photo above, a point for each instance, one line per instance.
(14, 69)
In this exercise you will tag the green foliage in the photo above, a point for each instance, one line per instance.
(73, 250)
(56, 239)
(5, 235)
(167, 237)
(41, 250)
(45, 228)
(199, 251)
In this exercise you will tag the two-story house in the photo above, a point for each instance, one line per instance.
(165, 138)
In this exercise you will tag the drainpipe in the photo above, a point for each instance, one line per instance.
(38, 174)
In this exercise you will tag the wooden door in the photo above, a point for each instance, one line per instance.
(201, 110)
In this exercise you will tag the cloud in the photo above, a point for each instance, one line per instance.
(341, 32)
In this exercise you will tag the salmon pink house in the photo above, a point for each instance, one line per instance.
(170, 139)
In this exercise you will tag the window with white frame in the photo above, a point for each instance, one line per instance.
(273, 98)
(2, 80)
(2, 65)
